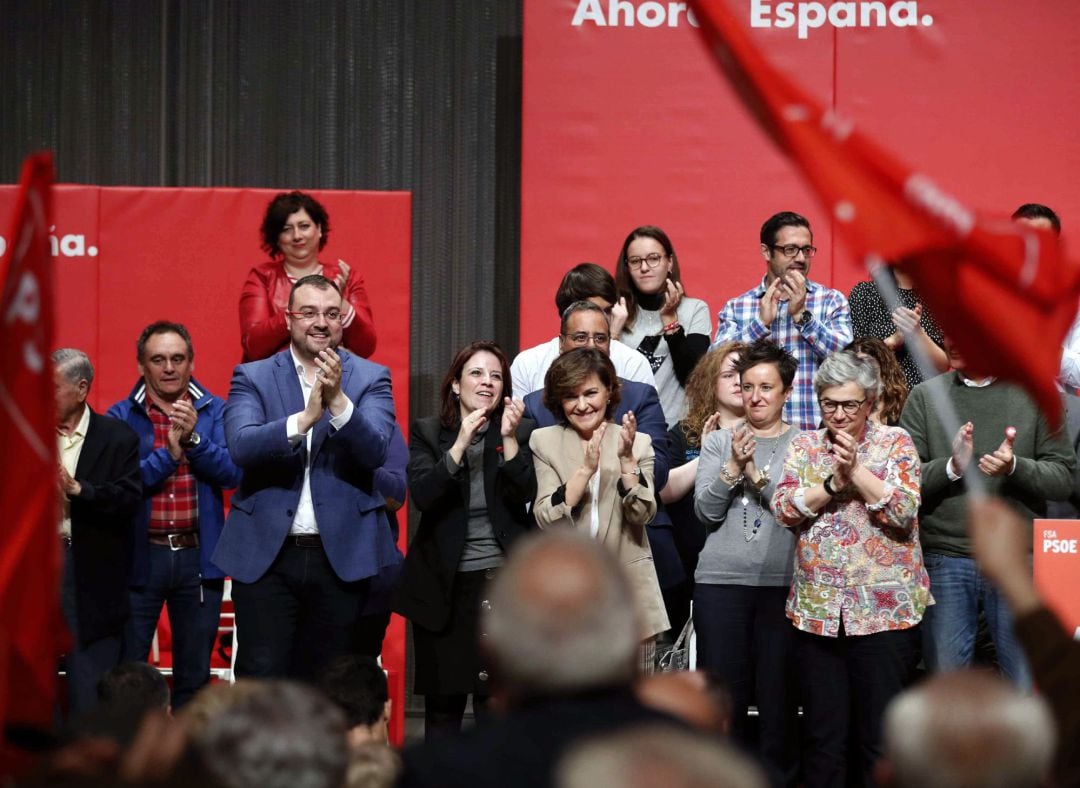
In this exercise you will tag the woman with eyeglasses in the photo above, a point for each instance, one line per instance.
(294, 231)
(471, 477)
(851, 493)
(655, 316)
(597, 476)
(744, 570)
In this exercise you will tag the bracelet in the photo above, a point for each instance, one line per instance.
(729, 477)
(636, 474)
(827, 484)
(671, 328)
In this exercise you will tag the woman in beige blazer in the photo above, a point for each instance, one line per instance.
(597, 476)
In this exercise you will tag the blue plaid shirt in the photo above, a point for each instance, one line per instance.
(828, 330)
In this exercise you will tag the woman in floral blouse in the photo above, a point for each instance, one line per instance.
(860, 588)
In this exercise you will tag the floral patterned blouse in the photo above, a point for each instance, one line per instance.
(855, 562)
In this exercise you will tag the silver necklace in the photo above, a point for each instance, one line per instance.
(759, 487)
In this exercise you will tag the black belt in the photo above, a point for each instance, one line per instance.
(184, 541)
(304, 540)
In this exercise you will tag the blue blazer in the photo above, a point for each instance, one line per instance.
(349, 508)
(642, 399)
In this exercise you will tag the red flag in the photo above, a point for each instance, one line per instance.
(1003, 293)
(30, 621)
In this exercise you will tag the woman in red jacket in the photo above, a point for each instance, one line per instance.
(294, 230)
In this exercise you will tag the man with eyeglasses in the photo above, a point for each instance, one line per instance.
(584, 324)
(1005, 441)
(807, 319)
(308, 529)
(583, 282)
(184, 467)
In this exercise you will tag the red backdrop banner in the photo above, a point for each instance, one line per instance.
(626, 121)
(125, 257)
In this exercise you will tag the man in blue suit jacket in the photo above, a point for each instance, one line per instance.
(584, 324)
(307, 530)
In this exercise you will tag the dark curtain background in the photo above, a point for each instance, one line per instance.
(423, 95)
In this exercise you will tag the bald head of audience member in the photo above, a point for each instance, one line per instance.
(561, 618)
(650, 755)
(968, 729)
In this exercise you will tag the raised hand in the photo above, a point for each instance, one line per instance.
(962, 447)
(794, 287)
(673, 295)
(711, 425)
(742, 446)
(592, 449)
(1000, 461)
(845, 450)
(767, 309)
(619, 313)
(513, 410)
(627, 432)
(342, 278)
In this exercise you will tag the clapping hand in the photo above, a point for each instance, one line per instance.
(742, 446)
(592, 449)
(845, 451)
(513, 410)
(1000, 461)
(627, 432)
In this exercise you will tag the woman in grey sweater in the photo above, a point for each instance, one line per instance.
(744, 571)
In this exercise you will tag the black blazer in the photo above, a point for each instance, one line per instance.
(103, 526)
(427, 578)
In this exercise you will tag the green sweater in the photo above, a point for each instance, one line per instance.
(1044, 460)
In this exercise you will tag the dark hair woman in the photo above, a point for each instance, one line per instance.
(597, 477)
(294, 231)
(471, 477)
(894, 385)
(654, 315)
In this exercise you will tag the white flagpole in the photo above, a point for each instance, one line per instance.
(946, 413)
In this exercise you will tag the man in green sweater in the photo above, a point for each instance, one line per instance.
(1007, 442)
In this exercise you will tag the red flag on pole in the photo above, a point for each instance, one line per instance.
(31, 627)
(1003, 293)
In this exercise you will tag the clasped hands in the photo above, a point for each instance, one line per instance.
(790, 287)
(326, 392)
(997, 463)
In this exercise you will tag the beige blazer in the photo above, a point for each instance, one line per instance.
(557, 453)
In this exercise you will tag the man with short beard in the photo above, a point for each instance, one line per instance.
(307, 530)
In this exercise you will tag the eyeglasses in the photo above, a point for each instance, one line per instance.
(851, 406)
(583, 337)
(790, 250)
(648, 261)
(309, 315)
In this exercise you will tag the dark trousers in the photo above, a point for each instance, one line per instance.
(194, 605)
(846, 683)
(296, 618)
(85, 662)
(744, 637)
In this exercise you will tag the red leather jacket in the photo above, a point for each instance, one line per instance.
(265, 298)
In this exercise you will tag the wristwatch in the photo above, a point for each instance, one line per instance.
(804, 318)
(193, 440)
(827, 484)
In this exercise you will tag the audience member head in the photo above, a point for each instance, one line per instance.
(586, 282)
(894, 390)
(697, 697)
(1038, 216)
(73, 374)
(968, 729)
(651, 755)
(358, 686)
(286, 207)
(478, 377)
(213, 700)
(281, 735)
(135, 685)
(847, 387)
(787, 244)
(372, 765)
(584, 324)
(713, 387)
(646, 261)
(561, 619)
(581, 387)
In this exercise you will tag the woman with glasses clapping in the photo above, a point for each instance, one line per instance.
(294, 230)
(851, 491)
(655, 316)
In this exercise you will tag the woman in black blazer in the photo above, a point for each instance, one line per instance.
(471, 477)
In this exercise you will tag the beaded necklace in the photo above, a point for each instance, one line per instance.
(759, 487)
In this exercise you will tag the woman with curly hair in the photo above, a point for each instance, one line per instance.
(895, 388)
(714, 401)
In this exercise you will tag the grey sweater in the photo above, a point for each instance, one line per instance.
(1044, 460)
(728, 558)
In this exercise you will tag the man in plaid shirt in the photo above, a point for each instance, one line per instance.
(808, 320)
(184, 466)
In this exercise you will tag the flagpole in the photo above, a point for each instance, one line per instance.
(946, 413)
